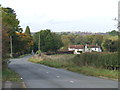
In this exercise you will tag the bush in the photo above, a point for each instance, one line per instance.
(38, 52)
(100, 60)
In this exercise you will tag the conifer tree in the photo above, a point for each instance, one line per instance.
(27, 31)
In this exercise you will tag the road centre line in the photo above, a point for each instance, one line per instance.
(71, 81)
(58, 76)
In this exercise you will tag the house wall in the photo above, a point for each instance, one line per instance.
(86, 49)
(71, 49)
(100, 50)
(77, 51)
(96, 49)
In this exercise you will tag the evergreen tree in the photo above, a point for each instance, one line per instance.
(27, 31)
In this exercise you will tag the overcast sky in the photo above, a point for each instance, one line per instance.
(65, 15)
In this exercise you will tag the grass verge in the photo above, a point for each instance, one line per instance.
(10, 75)
(68, 64)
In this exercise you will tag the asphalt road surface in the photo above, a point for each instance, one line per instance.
(40, 76)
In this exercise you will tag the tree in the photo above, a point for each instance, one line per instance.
(113, 33)
(36, 41)
(80, 40)
(88, 39)
(5, 45)
(72, 38)
(49, 41)
(24, 44)
(57, 41)
(110, 45)
(21, 43)
(66, 41)
(97, 39)
(27, 31)
(10, 25)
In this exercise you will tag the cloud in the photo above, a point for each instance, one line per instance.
(63, 14)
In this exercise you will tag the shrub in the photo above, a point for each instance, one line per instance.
(38, 52)
(97, 59)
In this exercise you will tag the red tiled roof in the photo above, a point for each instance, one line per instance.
(82, 46)
(77, 46)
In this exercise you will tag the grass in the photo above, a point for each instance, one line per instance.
(9, 75)
(96, 59)
(66, 62)
(96, 72)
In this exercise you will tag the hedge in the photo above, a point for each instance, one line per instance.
(96, 59)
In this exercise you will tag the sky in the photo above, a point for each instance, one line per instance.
(65, 15)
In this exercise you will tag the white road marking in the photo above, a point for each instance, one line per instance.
(58, 76)
(71, 81)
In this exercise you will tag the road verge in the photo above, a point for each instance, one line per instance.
(64, 62)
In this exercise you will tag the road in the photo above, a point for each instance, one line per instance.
(40, 76)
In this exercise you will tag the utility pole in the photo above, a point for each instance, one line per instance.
(118, 25)
(11, 48)
(39, 42)
(119, 16)
(118, 20)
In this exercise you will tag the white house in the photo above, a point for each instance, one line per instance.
(76, 48)
(84, 48)
(91, 48)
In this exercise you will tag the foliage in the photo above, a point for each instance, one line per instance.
(9, 75)
(100, 60)
(80, 40)
(113, 33)
(21, 43)
(110, 44)
(48, 41)
(27, 31)
(10, 22)
(97, 39)
(67, 62)
(38, 52)
(88, 39)
(66, 41)
(10, 25)
(5, 45)
(106, 42)
(24, 44)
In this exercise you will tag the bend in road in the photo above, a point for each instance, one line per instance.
(41, 76)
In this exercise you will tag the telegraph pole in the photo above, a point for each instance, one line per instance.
(118, 20)
(11, 48)
(39, 42)
(119, 16)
